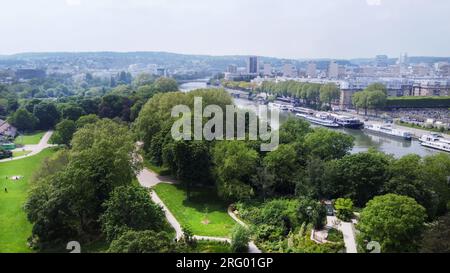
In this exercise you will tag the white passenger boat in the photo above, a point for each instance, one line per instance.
(319, 119)
(387, 129)
(347, 121)
(278, 106)
(435, 141)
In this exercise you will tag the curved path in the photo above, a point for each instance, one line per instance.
(34, 149)
(148, 179)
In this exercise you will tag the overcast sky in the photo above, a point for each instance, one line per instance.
(279, 28)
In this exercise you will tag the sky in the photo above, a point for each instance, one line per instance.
(277, 28)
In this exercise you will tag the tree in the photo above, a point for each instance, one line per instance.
(329, 92)
(394, 221)
(87, 119)
(114, 105)
(64, 132)
(144, 242)
(407, 178)
(234, 164)
(376, 100)
(128, 208)
(327, 144)
(312, 212)
(436, 238)
(47, 114)
(190, 161)
(71, 111)
(436, 173)
(359, 177)
(359, 100)
(373, 97)
(164, 85)
(23, 120)
(376, 87)
(143, 79)
(344, 208)
(239, 239)
(283, 164)
(294, 130)
(68, 202)
(264, 181)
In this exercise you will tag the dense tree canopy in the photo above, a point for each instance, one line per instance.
(394, 221)
(359, 177)
(129, 208)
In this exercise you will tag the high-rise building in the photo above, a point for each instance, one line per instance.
(333, 70)
(232, 69)
(311, 70)
(289, 71)
(267, 71)
(403, 60)
(252, 65)
(381, 60)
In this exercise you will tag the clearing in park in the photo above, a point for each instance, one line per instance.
(15, 228)
(204, 213)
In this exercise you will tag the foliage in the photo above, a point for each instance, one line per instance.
(234, 164)
(436, 238)
(185, 159)
(418, 102)
(344, 208)
(283, 164)
(23, 120)
(239, 239)
(67, 203)
(144, 242)
(359, 177)
(394, 221)
(327, 144)
(128, 208)
(312, 212)
(64, 132)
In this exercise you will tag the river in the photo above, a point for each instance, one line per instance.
(363, 140)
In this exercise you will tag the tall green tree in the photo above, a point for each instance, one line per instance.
(47, 115)
(129, 208)
(327, 144)
(234, 165)
(23, 120)
(394, 221)
(64, 132)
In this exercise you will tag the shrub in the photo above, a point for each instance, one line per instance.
(344, 208)
(240, 239)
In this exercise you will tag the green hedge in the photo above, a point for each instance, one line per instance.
(418, 102)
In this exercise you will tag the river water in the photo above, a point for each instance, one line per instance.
(363, 140)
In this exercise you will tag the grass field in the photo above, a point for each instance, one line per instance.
(29, 139)
(204, 213)
(20, 153)
(212, 247)
(14, 226)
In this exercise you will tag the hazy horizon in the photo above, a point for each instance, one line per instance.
(292, 29)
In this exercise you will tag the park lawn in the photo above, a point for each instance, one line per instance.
(29, 139)
(20, 153)
(14, 226)
(204, 246)
(204, 213)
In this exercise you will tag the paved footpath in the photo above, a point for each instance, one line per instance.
(34, 149)
(347, 230)
(148, 179)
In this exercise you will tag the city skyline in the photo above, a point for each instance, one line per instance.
(305, 29)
